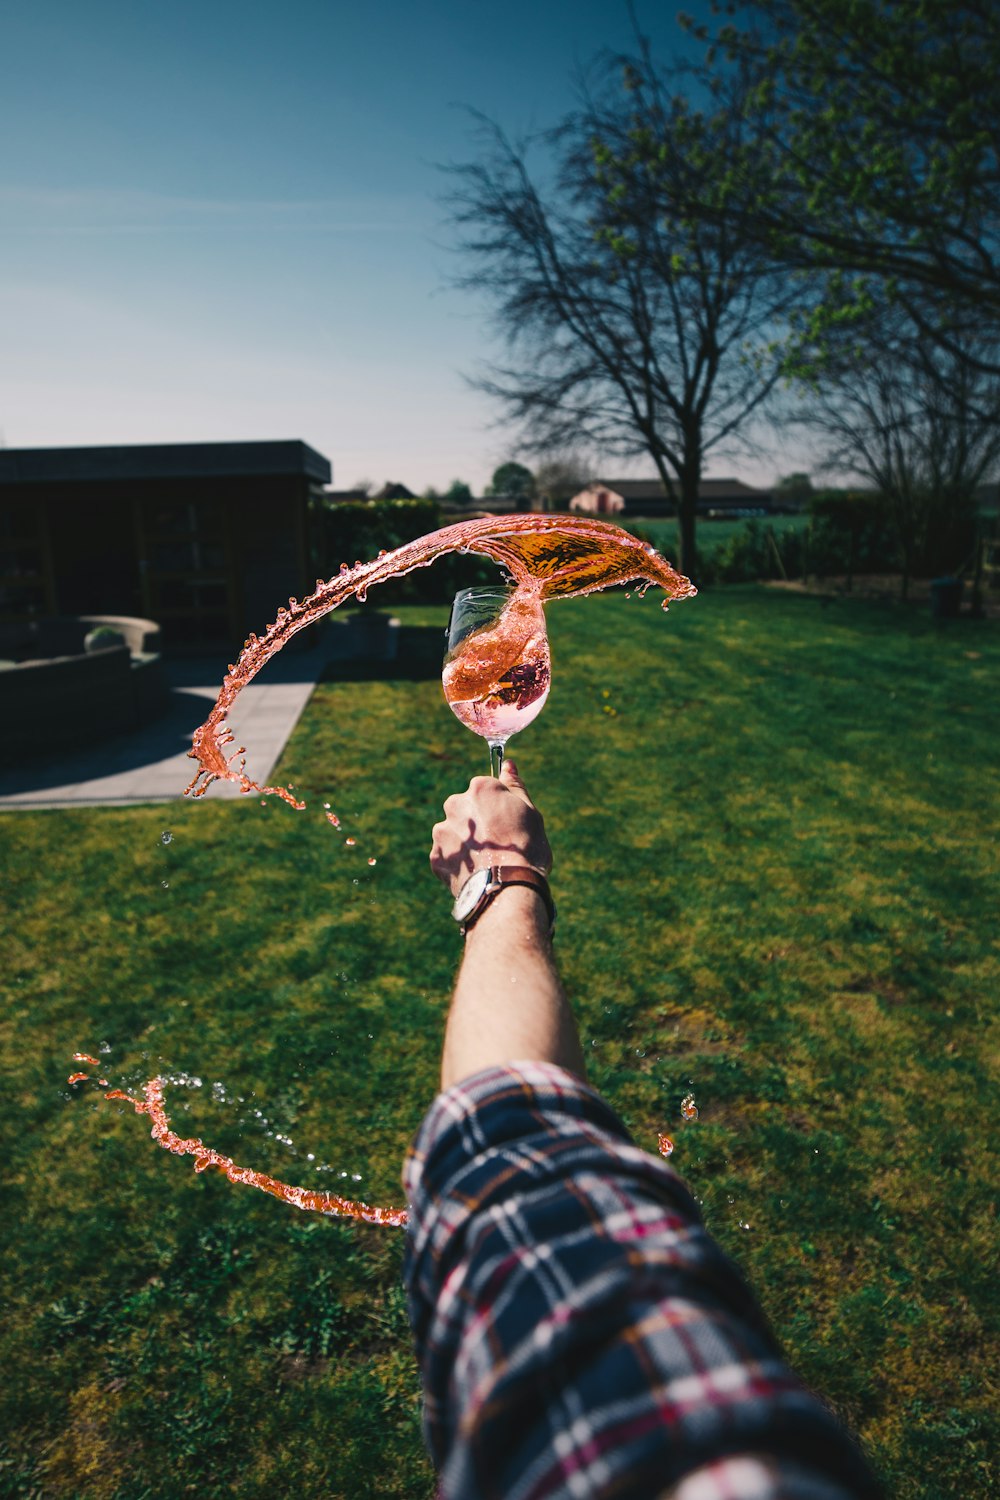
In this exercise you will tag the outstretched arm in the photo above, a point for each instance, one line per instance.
(509, 1004)
(577, 1329)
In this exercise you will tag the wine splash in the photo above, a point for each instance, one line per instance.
(205, 1158)
(547, 557)
(152, 1105)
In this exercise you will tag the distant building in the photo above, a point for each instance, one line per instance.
(208, 539)
(645, 497)
(394, 491)
(491, 505)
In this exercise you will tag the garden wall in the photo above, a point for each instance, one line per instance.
(70, 697)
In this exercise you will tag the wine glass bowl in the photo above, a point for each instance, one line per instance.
(497, 667)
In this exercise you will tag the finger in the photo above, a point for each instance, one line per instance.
(510, 773)
(510, 777)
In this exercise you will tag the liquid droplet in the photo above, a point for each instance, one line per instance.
(350, 843)
(689, 1110)
(744, 1224)
(373, 861)
(166, 837)
(165, 884)
(665, 1144)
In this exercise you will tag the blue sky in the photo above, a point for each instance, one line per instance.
(222, 220)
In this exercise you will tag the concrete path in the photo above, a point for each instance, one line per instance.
(152, 765)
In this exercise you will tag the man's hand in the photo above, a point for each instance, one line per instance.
(494, 823)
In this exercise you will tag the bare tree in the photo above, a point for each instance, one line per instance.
(630, 328)
(919, 422)
(559, 477)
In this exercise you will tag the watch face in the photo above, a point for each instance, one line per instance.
(470, 895)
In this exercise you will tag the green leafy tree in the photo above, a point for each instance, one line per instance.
(458, 493)
(512, 479)
(884, 129)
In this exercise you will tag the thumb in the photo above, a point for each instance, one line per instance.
(511, 776)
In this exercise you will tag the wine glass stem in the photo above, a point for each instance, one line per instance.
(496, 756)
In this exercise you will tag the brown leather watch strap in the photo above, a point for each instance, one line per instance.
(507, 875)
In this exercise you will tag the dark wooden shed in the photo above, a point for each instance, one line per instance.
(208, 539)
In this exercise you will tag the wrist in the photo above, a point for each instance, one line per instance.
(517, 918)
(489, 882)
(493, 859)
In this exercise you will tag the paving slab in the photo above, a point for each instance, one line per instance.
(152, 764)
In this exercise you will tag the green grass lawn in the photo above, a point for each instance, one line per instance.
(713, 535)
(775, 821)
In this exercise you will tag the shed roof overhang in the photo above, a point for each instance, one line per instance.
(163, 461)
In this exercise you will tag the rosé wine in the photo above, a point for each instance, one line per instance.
(496, 669)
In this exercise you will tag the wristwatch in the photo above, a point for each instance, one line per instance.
(482, 885)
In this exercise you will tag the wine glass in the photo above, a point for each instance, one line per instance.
(496, 664)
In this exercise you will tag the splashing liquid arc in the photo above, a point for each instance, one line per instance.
(546, 557)
(152, 1104)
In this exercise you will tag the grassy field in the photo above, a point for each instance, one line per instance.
(713, 535)
(775, 821)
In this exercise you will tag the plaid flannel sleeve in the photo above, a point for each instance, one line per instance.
(578, 1331)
